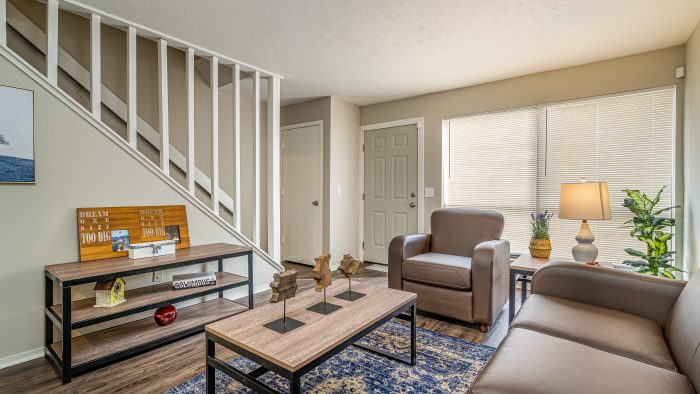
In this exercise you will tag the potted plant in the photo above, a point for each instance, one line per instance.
(540, 246)
(648, 227)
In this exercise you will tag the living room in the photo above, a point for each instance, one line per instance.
(329, 196)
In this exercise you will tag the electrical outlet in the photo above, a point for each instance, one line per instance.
(158, 276)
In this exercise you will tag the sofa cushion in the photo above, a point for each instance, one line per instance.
(605, 329)
(439, 270)
(530, 362)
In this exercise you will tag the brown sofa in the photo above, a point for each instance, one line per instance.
(460, 270)
(590, 329)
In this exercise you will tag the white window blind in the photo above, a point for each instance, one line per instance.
(626, 140)
(492, 164)
(514, 162)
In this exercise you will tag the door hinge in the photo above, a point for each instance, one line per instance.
(363, 196)
(363, 245)
(363, 147)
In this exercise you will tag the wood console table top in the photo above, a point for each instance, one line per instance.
(320, 333)
(97, 270)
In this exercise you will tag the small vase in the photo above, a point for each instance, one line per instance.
(540, 248)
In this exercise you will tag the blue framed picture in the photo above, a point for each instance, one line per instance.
(16, 135)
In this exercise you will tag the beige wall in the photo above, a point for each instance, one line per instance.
(39, 225)
(692, 147)
(642, 71)
(344, 166)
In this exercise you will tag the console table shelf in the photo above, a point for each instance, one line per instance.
(90, 351)
(120, 341)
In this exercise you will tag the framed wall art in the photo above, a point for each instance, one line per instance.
(16, 135)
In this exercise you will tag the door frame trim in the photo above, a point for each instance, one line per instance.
(318, 123)
(420, 124)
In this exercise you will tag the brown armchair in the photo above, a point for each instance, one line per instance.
(460, 270)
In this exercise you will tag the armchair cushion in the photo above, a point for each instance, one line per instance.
(605, 329)
(438, 269)
(457, 231)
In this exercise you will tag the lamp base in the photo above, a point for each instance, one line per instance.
(585, 251)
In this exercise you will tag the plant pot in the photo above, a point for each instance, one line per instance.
(540, 248)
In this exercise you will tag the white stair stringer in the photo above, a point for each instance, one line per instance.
(72, 67)
(104, 129)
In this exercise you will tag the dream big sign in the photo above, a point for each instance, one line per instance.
(107, 232)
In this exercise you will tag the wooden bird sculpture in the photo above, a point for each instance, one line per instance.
(322, 272)
(284, 285)
(348, 265)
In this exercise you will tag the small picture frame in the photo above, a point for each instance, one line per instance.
(172, 233)
(120, 240)
(17, 135)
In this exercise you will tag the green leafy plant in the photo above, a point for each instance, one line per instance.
(648, 227)
(540, 224)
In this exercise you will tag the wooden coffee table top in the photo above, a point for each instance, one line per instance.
(320, 334)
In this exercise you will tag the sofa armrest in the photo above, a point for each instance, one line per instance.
(642, 295)
(490, 264)
(401, 248)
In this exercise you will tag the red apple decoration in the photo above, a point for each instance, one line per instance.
(165, 315)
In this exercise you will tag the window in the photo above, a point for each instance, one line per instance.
(514, 161)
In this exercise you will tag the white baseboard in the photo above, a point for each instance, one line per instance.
(21, 357)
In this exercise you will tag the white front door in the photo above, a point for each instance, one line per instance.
(391, 188)
(302, 193)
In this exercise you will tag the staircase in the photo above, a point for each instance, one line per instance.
(117, 117)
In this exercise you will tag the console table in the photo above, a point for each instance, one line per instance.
(87, 352)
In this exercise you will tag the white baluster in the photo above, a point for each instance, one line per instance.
(95, 67)
(163, 99)
(191, 169)
(131, 86)
(274, 244)
(256, 165)
(214, 81)
(237, 146)
(3, 23)
(52, 41)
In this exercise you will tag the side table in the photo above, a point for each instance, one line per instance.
(521, 270)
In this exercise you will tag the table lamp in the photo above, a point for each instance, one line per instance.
(584, 201)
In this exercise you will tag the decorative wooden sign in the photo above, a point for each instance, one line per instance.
(107, 232)
(322, 272)
(348, 265)
(283, 285)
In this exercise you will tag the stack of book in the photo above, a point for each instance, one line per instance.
(197, 279)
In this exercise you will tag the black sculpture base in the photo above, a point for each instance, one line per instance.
(350, 295)
(324, 308)
(283, 325)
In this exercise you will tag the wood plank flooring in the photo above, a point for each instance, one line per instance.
(165, 367)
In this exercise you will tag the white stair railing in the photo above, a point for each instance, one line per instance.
(100, 95)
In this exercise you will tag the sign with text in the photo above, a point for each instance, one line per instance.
(107, 232)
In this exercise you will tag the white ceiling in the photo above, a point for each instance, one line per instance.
(370, 51)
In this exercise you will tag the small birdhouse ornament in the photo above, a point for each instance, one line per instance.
(109, 293)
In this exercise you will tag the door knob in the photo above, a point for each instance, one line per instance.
(315, 203)
(412, 204)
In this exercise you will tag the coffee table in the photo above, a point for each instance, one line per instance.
(297, 352)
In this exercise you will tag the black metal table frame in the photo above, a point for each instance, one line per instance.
(65, 325)
(522, 276)
(249, 379)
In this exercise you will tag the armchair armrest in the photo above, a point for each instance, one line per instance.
(401, 248)
(643, 295)
(490, 264)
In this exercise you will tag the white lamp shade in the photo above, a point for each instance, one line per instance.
(584, 201)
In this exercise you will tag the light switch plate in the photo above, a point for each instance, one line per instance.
(429, 192)
(340, 190)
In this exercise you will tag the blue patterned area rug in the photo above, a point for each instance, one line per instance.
(444, 365)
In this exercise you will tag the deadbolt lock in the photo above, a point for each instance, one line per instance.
(413, 194)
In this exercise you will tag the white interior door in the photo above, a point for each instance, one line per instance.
(391, 188)
(302, 193)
